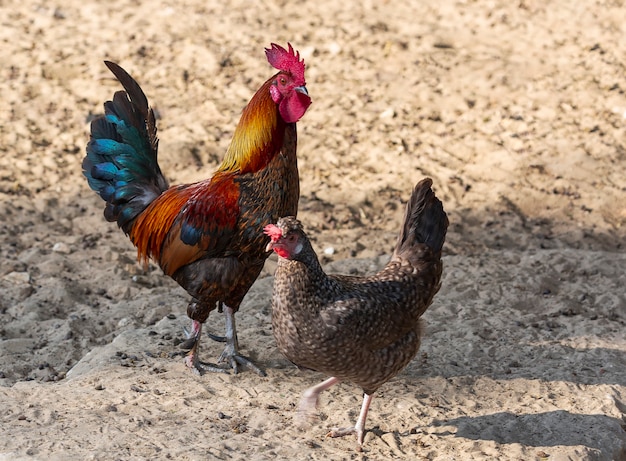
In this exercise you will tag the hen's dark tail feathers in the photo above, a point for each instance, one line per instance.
(121, 162)
(425, 221)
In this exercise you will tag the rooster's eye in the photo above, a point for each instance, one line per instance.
(282, 80)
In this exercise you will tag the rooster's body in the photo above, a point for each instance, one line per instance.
(359, 329)
(208, 236)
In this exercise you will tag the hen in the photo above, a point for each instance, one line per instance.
(208, 236)
(359, 329)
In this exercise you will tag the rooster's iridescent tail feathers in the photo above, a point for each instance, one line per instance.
(121, 162)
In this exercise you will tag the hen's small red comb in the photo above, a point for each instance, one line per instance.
(273, 232)
(286, 60)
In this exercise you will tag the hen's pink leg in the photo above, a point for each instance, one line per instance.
(359, 427)
(308, 403)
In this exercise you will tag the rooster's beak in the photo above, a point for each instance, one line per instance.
(301, 89)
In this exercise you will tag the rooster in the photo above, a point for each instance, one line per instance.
(208, 236)
(358, 329)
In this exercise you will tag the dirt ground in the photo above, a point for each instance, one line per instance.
(517, 110)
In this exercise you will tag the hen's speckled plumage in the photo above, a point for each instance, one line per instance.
(358, 329)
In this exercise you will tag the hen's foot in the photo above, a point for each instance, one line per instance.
(341, 431)
(307, 408)
(306, 414)
(359, 427)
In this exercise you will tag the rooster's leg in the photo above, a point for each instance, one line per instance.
(359, 427)
(231, 351)
(192, 342)
(308, 403)
(219, 339)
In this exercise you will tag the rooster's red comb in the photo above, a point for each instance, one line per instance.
(286, 60)
(273, 231)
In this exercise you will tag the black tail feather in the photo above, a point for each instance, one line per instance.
(425, 221)
(135, 93)
(138, 112)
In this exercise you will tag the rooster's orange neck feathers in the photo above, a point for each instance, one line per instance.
(257, 137)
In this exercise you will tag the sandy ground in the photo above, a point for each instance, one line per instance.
(517, 110)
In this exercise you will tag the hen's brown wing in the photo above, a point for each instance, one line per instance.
(376, 312)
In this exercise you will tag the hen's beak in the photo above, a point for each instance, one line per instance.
(270, 246)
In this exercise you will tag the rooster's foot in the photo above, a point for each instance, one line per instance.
(193, 336)
(188, 344)
(230, 356)
(198, 367)
(219, 339)
(191, 345)
(234, 359)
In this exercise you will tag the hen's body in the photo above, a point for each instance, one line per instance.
(208, 236)
(355, 329)
(358, 329)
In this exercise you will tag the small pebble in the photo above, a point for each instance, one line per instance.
(62, 248)
(17, 277)
(124, 321)
(334, 48)
(388, 113)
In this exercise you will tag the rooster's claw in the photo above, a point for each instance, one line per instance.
(219, 339)
(234, 360)
(200, 368)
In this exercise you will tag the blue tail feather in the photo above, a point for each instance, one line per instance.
(104, 171)
(121, 161)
